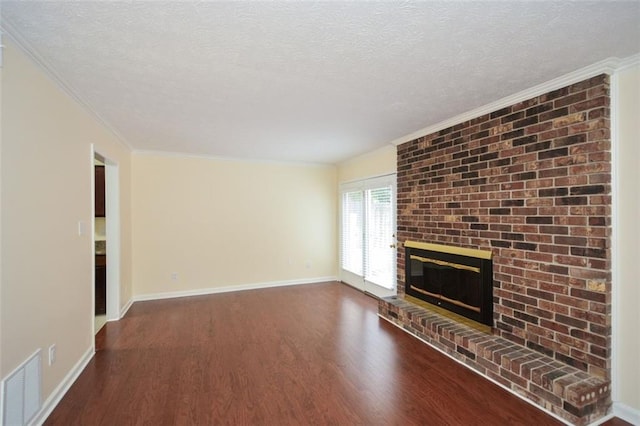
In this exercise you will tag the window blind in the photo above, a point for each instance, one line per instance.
(367, 233)
(352, 231)
(379, 236)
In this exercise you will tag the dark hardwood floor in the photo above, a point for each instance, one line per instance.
(312, 354)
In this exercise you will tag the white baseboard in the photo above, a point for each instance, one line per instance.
(60, 391)
(528, 401)
(125, 309)
(215, 290)
(620, 410)
(626, 413)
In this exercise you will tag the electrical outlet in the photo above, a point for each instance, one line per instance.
(52, 354)
(174, 276)
(307, 264)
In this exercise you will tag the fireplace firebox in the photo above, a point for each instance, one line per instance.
(456, 279)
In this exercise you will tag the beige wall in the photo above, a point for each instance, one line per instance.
(626, 334)
(1, 283)
(46, 171)
(376, 163)
(220, 223)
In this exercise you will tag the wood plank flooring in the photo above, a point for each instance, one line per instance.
(311, 354)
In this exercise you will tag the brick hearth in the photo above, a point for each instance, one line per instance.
(555, 386)
(531, 183)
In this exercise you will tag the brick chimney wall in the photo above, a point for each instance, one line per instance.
(532, 183)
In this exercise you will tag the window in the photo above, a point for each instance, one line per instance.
(353, 231)
(367, 234)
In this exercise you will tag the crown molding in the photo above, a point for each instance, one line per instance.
(386, 147)
(25, 47)
(172, 154)
(607, 66)
(631, 61)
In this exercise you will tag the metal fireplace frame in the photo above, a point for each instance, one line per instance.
(481, 259)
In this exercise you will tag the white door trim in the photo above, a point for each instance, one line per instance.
(112, 197)
(112, 214)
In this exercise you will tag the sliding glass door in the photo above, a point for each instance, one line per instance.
(367, 235)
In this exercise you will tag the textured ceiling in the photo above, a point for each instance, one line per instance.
(305, 81)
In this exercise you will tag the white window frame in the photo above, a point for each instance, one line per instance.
(351, 278)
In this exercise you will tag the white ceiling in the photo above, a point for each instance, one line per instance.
(306, 81)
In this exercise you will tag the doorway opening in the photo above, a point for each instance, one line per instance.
(367, 235)
(106, 238)
(100, 245)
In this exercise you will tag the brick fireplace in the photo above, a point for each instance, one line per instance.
(531, 183)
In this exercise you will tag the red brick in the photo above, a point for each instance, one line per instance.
(553, 245)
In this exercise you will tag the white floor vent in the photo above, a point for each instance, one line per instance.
(21, 393)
